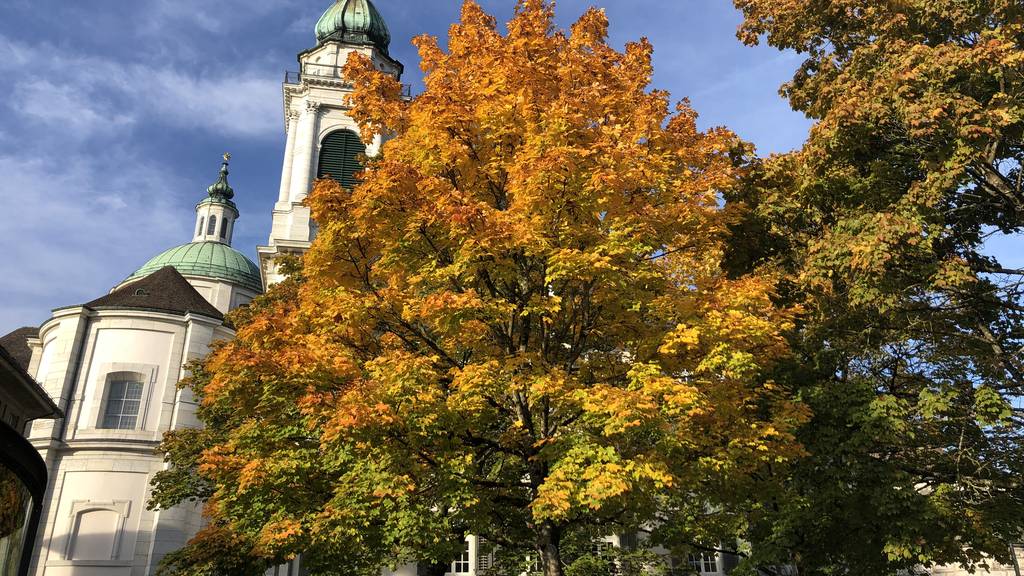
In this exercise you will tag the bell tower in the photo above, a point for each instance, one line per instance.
(323, 139)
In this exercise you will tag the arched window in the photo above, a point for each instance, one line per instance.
(339, 157)
(224, 228)
(199, 229)
(212, 228)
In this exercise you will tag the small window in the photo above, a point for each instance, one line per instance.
(224, 228)
(704, 563)
(212, 228)
(462, 564)
(199, 229)
(124, 398)
(605, 551)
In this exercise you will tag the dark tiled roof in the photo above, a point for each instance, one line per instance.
(14, 358)
(165, 290)
(16, 345)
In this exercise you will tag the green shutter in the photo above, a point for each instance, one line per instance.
(339, 157)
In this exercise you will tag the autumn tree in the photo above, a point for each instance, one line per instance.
(517, 325)
(910, 351)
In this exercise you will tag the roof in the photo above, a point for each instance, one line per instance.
(14, 376)
(354, 22)
(164, 290)
(214, 260)
(16, 345)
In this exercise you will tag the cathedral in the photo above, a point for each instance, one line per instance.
(112, 365)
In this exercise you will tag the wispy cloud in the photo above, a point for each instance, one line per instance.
(219, 16)
(80, 224)
(67, 106)
(244, 104)
(94, 96)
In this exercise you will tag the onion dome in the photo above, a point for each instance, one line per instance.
(209, 260)
(221, 189)
(354, 22)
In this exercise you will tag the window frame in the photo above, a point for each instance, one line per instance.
(106, 373)
(79, 508)
(464, 563)
(129, 380)
(211, 225)
(347, 181)
(703, 562)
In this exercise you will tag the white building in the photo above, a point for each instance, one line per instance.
(112, 366)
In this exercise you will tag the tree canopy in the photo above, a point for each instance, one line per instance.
(910, 350)
(517, 325)
(552, 309)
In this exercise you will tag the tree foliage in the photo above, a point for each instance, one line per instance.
(910, 351)
(517, 325)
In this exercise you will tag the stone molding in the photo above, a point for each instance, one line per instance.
(149, 373)
(78, 508)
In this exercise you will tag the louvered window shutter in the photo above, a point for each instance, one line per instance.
(339, 157)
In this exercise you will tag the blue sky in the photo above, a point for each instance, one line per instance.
(114, 114)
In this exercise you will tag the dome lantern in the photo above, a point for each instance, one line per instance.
(216, 214)
(354, 22)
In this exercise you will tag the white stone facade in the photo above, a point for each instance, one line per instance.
(95, 520)
(315, 105)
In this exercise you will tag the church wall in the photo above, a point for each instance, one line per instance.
(224, 297)
(54, 362)
(96, 521)
(99, 515)
(140, 347)
(996, 570)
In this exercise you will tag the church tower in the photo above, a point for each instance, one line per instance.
(323, 139)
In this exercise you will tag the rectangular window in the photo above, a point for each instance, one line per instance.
(604, 550)
(704, 563)
(124, 398)
(461, 566)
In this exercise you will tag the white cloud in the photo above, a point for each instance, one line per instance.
(94, 96)
(241, 104)
(82, 208)
(217, 16)
(67, 106)
(79, 224)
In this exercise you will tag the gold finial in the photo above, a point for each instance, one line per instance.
(227, 156)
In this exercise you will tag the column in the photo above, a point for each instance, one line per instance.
(305, 144)
(289, 157)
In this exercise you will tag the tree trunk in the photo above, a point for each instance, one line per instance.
(548, 543)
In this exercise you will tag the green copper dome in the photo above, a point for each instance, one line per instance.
(212, 260)
(354, 22)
